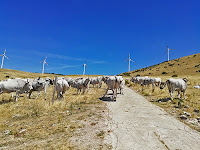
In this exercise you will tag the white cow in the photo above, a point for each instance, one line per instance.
(19, 86)
(197, 87)
(157, 81)
(61, 87)
(178, 85)
(147, 82)
(96, 80)
(120, 83)
(112, 85)
(40, 84)
(82, 84)
(139, 80)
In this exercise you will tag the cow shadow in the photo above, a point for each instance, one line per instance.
(163, 100)
(7, 101)
(107, 99)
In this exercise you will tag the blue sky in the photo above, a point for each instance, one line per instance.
(102, 33)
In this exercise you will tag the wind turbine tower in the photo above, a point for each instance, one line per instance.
(129, 62)
(44, 62)
(84, 65)
(4, 55)
(168, 52)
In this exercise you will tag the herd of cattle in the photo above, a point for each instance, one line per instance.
(27, 86)
(173, 85)
(61, 84)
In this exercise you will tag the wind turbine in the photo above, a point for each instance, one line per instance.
(168, 52)
(84, 65)
(129, 62)
(44, 62)
(4, 55)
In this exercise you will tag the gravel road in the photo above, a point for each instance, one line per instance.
(136, 124)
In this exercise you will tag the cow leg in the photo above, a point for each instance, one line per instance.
(153, 87)
(106, 92)
(38, 95)
(178, 94)
(30, 94)
(12, 94)
(171, 94)
(100, 84)
(58, 94)
(17, 95)
(88, 88)
(184, 94)
(83, 90)
(45, 94)
(121, 91)
(113, 96)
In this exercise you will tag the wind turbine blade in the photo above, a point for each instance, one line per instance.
(46, 63)
(171, 49)
(1, 55)
(126, 60)
(41, 61)
(132, 60)
(6, 56)
(5, 51)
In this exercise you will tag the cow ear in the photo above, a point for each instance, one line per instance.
(186, 80)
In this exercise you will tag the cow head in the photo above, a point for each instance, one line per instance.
(105, 78)
(186, 80)
(28, 86)
(162, 85)
(48, 80)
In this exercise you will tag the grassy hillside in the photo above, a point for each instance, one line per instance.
(185, 67)
(69, 123)
(188, 65)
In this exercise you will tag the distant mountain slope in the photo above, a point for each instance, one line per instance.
(188, 65)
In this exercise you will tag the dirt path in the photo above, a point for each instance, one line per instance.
(137, 124)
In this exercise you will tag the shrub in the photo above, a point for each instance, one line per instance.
(164, 72)
(126, 73)
(126, 82)
(175, 75)
(171, 64)
(138, 75)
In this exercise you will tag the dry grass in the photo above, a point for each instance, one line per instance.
(185, 67)
(162, 97)
(47, 125)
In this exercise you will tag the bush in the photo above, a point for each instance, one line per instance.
(164, 72)
(127, 73)
(171, 64)
(175, 75)
(126, 82)
(138, 75)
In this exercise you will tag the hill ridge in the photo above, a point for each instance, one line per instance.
(187, 65)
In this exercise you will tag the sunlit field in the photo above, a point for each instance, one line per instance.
(39, 124)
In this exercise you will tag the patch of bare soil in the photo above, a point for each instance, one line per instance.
(95, 127)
